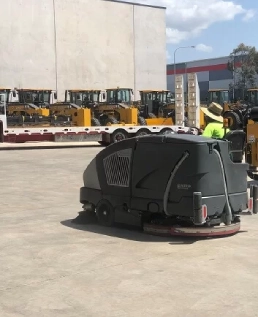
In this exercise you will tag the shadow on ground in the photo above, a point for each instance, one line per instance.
(128, 232)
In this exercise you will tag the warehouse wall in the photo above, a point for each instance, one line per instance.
(211, 73)
(87, 43)
(27, 54)
(150, 48)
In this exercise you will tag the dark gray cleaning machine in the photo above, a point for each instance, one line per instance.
(166, 180)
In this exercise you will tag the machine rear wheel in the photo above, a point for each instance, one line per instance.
(151, 115)
(105, 213)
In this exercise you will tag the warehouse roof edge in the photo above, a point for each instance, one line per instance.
(137, 4)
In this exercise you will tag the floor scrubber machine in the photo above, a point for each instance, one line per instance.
(172, 184)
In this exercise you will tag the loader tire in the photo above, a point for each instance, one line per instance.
(151, 115)
(141, 121)
(95, 122)
(235, 121)
(111, 120)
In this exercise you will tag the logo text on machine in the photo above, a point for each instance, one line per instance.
(183, 186)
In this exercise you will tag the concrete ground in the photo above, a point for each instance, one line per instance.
(51, 267)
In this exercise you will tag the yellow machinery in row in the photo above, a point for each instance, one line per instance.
(89, 107)
(77, 106)
(24, 104)
(80, 108)
(114, 107)
(33, 107)
(156, 107)
(30, 102)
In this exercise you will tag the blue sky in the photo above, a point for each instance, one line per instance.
(215, 27)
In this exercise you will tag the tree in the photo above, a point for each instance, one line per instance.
(243, 62)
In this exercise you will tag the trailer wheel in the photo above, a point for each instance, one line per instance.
(105, 213)
(95, 122)
(118, 135)
(166, 131)
(141, 121)
(142, 132)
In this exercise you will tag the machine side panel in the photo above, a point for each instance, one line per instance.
(200, 172)
(90, 176)
(114, 169)
(235, 172)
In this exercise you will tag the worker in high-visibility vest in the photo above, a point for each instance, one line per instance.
(214, 121)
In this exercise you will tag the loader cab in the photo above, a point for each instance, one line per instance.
(220, 96)
(154, 99)
(155, 95)
(38, 97)
(5, 95)
(119, 95)
(83, 97)
(252, 97)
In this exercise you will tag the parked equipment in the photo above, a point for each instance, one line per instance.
(156, 107)
(251, 148)
(117, 108)
(192, 187)
(31, 107)
(220, 96)
(77, 107)
(252, 97)
(156, 103)
(30, 102)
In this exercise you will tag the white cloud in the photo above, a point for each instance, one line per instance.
(249, 15)
(188, 18)
(204, 48)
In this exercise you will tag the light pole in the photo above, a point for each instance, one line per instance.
(192, 46)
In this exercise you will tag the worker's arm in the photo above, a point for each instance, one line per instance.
(208, 131)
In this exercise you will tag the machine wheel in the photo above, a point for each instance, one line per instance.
(118, 135)
(142, 132)
(141, 121)
(166, 131)
(95, 122)
(235, 120)
(151, 115)
(111, 120)
(105, 213)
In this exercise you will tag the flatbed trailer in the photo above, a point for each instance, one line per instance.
(105, 134)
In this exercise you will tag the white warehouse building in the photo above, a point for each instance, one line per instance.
(82, 44)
